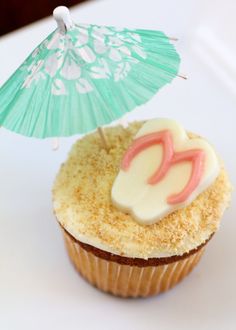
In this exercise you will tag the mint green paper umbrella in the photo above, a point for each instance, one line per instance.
(85, 76)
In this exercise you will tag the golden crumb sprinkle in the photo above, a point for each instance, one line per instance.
(82, 203)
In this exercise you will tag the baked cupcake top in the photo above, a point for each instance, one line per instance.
(83, 206)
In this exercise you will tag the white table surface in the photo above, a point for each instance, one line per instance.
(39, 289)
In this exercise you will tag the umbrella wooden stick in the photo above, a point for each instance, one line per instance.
(103, 137)
(173, 38)
(182, 76)
(179, 75)
(55, 144)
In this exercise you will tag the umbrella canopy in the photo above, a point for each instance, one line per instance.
(85, 76)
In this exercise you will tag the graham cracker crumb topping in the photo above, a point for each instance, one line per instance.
(82, 203)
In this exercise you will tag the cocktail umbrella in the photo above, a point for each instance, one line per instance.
(83, 76)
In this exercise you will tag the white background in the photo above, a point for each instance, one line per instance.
(39, 289)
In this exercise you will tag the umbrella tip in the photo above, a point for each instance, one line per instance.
(63, 18)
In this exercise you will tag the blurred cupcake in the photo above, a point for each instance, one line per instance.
(136, 219)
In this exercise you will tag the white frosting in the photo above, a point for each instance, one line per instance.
(132, 249)
(147, 203)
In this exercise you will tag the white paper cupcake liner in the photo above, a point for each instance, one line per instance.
(127, 280)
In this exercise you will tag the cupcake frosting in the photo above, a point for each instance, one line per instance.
(83, 206)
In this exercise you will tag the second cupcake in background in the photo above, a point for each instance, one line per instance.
(136, 219)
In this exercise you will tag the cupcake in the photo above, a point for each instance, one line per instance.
(137, 218)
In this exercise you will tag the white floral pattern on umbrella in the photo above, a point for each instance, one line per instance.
(78, 55)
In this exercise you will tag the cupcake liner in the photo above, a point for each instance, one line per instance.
(126, 280)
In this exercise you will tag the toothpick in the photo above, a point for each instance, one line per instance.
(179, 75)
(103, 138)
(55, 144)
(182, 76)
(173, 38)
(123, 122)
